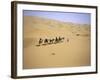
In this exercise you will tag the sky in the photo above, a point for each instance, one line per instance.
(80, 18)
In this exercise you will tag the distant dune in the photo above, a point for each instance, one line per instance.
(74, 51)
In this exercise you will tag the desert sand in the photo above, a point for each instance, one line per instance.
(74, 51)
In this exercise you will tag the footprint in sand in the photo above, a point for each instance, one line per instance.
(84, 35)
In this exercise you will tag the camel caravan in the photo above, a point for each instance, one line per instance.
(49, 41)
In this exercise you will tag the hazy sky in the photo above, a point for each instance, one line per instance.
(81, 18)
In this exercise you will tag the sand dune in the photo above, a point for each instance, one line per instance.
(72, 52)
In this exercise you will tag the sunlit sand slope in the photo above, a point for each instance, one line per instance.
(73, 51)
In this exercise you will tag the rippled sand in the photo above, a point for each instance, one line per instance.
(73, 52)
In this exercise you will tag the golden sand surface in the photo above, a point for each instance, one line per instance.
(74, 51)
